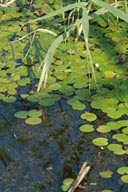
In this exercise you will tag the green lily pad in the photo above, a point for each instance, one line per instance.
(33, 120)
(47, 102)
(122, 170)
(115, 114)
(125, 130)
(106, 190)
(121, 138)
(106, 174)
(67, 184)
(10, 99)
(103, 129)
(113, 125)
(35, 113)
(124, 178)
(21, 114)
(100, 141)
(116, 148)
(67, 90)
(86, 128)
(122, 123)
(88, 116)
(76, 104)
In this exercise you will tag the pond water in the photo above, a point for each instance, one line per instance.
(39, 158)
(46, 137)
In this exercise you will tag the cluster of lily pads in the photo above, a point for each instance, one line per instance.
(32, 117)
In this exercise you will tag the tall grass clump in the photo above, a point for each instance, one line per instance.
(86, 13)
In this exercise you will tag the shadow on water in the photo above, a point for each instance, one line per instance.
(39, 158)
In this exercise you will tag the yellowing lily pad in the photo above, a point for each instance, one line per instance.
(33, 120)
(103, 129)
(67, 184)
(88, 116)
(124, 178)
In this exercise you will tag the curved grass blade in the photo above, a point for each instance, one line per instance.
(60, 11)
(48, 60)
(113, 10)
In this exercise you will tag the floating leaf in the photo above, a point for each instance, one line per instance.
(100, 141)
(10, 99)
(121, 138)
(106, 190)
(122, 123)
(103, 129)
(96, 104)
(68, 181)
(21, 114)
(116, 148)
(113, 125)
(86, 128)
(115, 114)
(122, 170)
(88, 116)
(124, 178)
(125, 130)
(67, 184)
(35, 113)
(33, 120)
(67, 90)
(76, 104)
(47, 102)
(110, 74)
(106, 174)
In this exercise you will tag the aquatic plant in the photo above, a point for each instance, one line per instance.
(81, 23)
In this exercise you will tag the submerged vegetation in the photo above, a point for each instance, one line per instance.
(79, 52)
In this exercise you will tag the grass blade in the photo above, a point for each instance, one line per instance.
(60, 11)
(113, 10)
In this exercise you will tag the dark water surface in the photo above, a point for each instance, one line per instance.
(39, 158)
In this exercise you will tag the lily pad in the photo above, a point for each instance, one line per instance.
(86, 128)
(33, 120)
(106, 174)
(106, 190)
(67, 184)
(122, 170)
(76, 104)
(116, 148)
(100, 141)
(88, 116)
(121, 138)
(21, 114)
(125, 130)
(124, 178)
(46, 102)
(103, 129)
(10, 99)
(35, 113)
